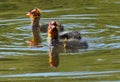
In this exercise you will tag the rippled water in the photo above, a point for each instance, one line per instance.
(100, 30)
(15, 33)
(66, 74)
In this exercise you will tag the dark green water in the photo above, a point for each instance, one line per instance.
(97, 21)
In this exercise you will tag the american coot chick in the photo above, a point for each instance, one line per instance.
(35, 15)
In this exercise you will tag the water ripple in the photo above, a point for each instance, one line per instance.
(111, 26)
(65, 74)
(90, 31)
(56, 10)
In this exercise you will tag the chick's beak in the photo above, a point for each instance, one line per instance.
(51, 29)
(29, 14)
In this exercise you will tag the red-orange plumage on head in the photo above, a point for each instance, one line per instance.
(52, 28)
(34, 13)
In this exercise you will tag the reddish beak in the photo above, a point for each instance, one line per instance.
(51, 29)
(28, 14)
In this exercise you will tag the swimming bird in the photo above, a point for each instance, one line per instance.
(35, 15)
(54, 44)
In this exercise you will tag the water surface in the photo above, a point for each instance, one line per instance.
(98, 23)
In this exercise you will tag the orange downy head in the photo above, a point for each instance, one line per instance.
(34, 13)
(52, 28)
